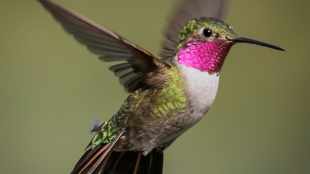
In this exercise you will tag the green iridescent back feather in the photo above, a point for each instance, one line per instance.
(170, 97)
(156, 104)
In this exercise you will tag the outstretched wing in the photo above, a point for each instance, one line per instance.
(109, 46)
(186, 11)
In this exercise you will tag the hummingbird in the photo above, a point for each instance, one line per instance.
(167, 94)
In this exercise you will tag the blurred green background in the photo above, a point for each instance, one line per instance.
(51, 87)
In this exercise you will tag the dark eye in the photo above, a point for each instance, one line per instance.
(207, 32)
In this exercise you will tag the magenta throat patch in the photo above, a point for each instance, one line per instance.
(208, 56)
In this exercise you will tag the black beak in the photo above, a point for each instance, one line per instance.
(251, 41)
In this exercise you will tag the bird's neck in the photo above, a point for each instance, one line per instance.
(208, 56)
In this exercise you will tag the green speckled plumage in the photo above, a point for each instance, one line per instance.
(170, 97)
(166, 100)
(109, 130)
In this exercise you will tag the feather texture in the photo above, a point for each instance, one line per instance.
(105, 43)
(93, 161)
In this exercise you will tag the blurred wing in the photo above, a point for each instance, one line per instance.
(188, 10)
(109, 46)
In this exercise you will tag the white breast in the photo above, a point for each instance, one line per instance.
(201, 88)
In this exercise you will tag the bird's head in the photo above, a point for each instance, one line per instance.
(205, 42)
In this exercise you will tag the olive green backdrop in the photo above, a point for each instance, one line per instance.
(51, 87)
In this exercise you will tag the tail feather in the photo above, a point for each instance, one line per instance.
(143, 164)
(92, 162)
(126, 163)
(156, 162)
(103, 160)
(129, 162)
(96, 163)
(109, 166)
(86, 157)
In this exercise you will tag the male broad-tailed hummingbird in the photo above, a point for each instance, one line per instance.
(168, 95)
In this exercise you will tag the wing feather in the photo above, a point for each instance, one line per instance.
(108, 45)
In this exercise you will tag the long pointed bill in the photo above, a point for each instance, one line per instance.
(251, 41)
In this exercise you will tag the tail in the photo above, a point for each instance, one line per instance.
(134, 163)
(128, 162)
(103, 160)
